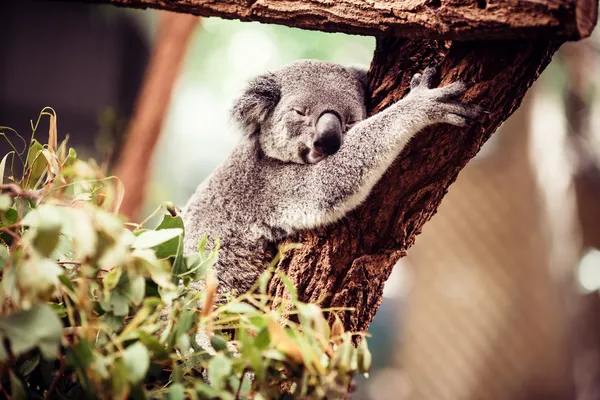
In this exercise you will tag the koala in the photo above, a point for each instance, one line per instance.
(308, 156)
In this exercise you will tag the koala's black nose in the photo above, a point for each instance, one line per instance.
(328, 138)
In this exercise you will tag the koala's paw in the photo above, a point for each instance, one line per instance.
(437, 102)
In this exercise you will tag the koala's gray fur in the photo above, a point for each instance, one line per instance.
(279, 180)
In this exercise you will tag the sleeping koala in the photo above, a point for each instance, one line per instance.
(308, 157)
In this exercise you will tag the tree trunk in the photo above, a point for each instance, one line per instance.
(133, 168)
(347, 264)
(434, 19)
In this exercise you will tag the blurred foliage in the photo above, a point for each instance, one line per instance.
(93, 307)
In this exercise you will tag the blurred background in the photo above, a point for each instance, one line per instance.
(498, 299)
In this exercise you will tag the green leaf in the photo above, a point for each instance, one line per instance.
(27, 366)
(219, 368)
(71, 158)
(194, 266)
(10, 217)
(151, 239)
(59, 309)
(83, 237)
(38, 278)
(259, 366)
(170, 247)
(288, 285)
(205, 391)
(17, 390)
(364, 357)
(120, 382)
(4, 256)
(45, 223)
(81, 355)
(137, 361)
(67, 283)
(3, 167)
(5, 202)
(183, 325)
(158, 270)
(137, 289)
(119, 304)
(274, 355)
(36, 163)
(218, 343)
(111, 279)
(262, 339)
(240, 308)
(176, 392)
(157, 349)
(36, 327)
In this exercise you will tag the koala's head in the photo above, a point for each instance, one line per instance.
(301, 112)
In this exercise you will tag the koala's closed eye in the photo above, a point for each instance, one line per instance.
(350, 124)
(300, 111)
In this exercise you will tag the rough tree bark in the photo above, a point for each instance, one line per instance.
(347, 264)
(133, 167)
(434, 19)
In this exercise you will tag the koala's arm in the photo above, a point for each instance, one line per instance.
(323, 193)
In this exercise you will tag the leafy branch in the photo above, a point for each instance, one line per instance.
(95, 307)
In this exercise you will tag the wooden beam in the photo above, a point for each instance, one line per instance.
(433, 19)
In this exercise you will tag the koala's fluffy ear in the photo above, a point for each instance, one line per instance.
(361, 75)
(258, 101)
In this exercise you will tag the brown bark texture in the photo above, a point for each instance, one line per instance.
(434, 19)
(347, 264)
(133, 167)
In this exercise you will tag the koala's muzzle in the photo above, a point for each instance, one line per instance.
(328, 136)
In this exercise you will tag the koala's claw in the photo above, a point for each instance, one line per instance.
(452, 90)
(438, 102)
(427, 78)
(415, 81)
(424, 80)
(460, 114)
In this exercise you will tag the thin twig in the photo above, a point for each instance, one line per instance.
(16, 191)
(239, 389)
(57, 376)
(69, 262)
(4, 392)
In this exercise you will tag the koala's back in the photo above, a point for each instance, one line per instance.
(228, 206)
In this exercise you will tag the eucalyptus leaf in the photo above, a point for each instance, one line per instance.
(137, 360)
(38, 278)
(219, 368)
(4, 256)
(176, 392)
(81, 354)
(37, 327)
(151, 239)
(36, 163)
(17, 390)
(170, 247)
(3, 166)
(119, 304)
(137, 289)
(218, 342)
(5, 202)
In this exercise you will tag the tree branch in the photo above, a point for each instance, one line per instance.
(133, 168)
(434, 19)
(348, 263)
